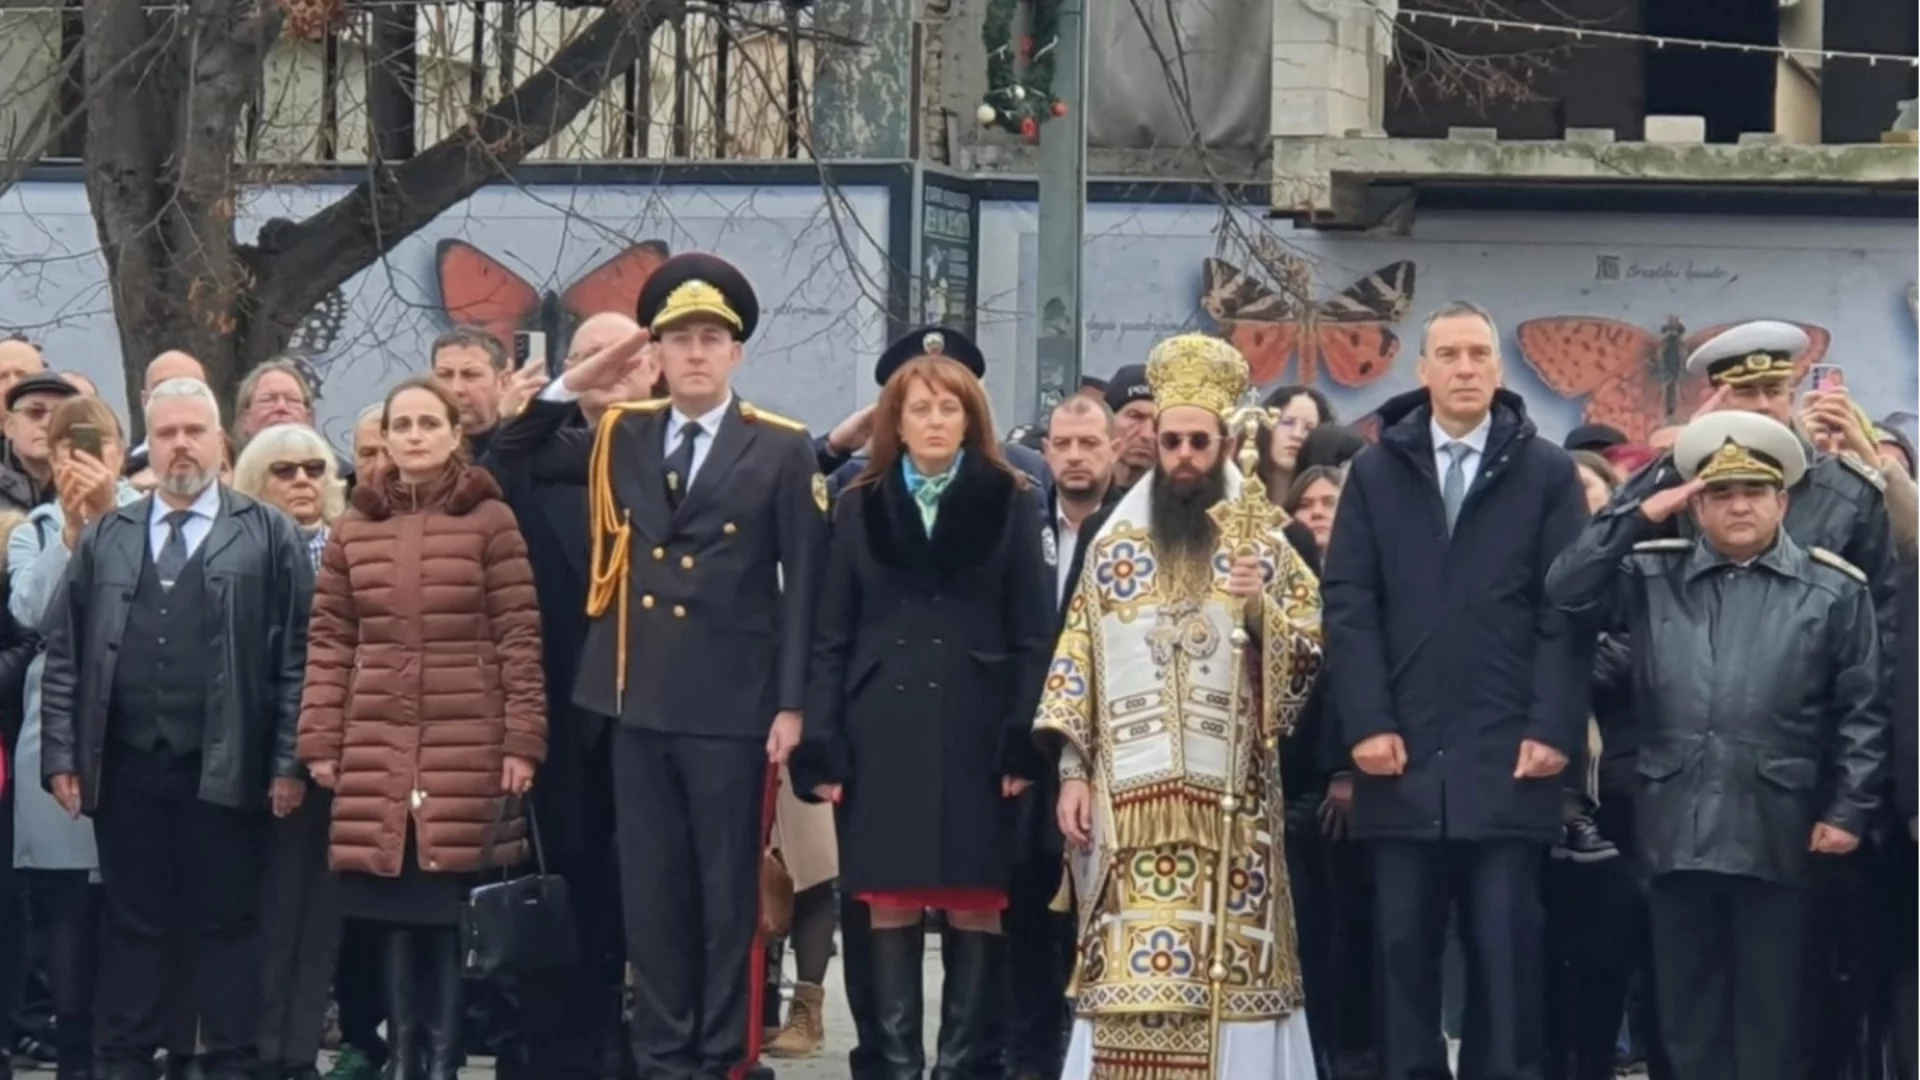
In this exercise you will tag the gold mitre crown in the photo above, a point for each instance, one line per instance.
(1197, 370)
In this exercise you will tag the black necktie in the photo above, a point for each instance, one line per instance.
(680, 464)
(173, 553)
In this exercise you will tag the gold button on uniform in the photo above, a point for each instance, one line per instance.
(659, 554)
(679, 612)
(647, 601)
(729, 528)
(686, 562)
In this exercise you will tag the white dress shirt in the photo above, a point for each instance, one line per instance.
(193, 532)
(702, 443)
(1066, 537)
(1476, 443)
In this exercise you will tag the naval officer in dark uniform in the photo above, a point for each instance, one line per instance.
(709, 524)
(1838, 505)
(1757, 681)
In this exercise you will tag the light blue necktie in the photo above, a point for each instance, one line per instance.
(1453, 488)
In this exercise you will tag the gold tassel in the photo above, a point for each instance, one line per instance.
(1062, 901)
(1167, 814)
(612, 538)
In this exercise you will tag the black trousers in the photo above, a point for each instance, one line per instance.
(300, 923)
(1040, 951)
(177, 874)
(1496, 887)
(571, 1018)
(1728, 979)
(688, 814)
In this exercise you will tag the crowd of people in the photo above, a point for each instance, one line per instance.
(1210, 739)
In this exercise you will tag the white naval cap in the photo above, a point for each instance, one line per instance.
(1749, 352)
(1730, 447)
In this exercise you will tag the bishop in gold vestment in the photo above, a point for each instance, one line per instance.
(1140, 698)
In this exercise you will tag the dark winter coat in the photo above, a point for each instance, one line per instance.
(928, 658)
(1758, 686)
(423, 673)
(259, 582)
(1450, 641)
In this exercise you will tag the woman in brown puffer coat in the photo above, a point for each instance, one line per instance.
(424, 708)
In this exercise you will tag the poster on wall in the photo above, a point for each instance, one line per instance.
(949, 250)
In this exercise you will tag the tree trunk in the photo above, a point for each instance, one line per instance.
(167, 91)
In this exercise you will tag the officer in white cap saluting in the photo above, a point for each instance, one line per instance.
(1757, 669)
(1838, 504)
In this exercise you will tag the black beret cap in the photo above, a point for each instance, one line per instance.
(1593, 437)
(40, 382)
(695, 284)
(1129, 384)
(930, 341)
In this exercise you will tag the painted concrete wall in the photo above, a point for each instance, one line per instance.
(820, 272)
(1657, 282)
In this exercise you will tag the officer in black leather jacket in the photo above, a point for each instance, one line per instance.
(1757, 679)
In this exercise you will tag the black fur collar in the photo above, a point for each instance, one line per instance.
(973, 514)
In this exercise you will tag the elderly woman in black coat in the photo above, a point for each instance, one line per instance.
(932, 641)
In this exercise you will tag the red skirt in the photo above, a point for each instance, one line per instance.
(942, 899)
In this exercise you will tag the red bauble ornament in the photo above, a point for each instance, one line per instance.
(1059, 109)
(1030, 128)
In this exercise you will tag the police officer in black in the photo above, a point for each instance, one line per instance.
(1757, 679)
(709, 524)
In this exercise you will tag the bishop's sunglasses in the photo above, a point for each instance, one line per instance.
(1201, 441)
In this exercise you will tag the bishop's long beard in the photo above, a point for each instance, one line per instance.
(1184, 537)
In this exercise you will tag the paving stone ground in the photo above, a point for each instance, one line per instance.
(829, 1064)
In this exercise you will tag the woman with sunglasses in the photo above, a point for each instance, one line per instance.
(291, 468)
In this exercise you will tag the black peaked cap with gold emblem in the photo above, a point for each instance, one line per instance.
(1749, 352)
(692, 285)
(1730, 447)
(930, 341)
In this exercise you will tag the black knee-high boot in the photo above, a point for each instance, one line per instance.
(400, 987)
(899, 1016)
(445, 1004)
(970, 1018)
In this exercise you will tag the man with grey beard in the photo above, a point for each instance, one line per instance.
(170, 697)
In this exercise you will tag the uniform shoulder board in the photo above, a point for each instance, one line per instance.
(1822, 555)
(754, 415)
(1670, 544)
(643, 407)
(1866, 472)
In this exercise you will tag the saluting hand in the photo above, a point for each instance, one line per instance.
(1662, 505)
(1713, 404)
(604, 368)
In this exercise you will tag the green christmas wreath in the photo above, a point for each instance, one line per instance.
(1035, 101)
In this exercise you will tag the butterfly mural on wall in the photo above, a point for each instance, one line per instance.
(477, 289)
(1271, 322)
(1633, 378)
(311, 342)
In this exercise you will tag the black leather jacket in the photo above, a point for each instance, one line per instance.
(260, 576)
(1839, 505)
(1757, 688)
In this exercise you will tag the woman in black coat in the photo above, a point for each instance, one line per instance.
(932, 640)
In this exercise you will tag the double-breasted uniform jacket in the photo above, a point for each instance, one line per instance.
(702, 612)
(928, 659)
(1757, 687)
(259, 588)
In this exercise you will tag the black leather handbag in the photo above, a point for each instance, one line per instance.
(518, 925)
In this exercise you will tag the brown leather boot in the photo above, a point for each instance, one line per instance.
(806, 1026)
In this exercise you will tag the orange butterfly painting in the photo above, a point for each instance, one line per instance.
(477, 289)
(1272, 325)
(1633, 379)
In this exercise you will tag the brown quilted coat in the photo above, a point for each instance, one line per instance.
(423, 671)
